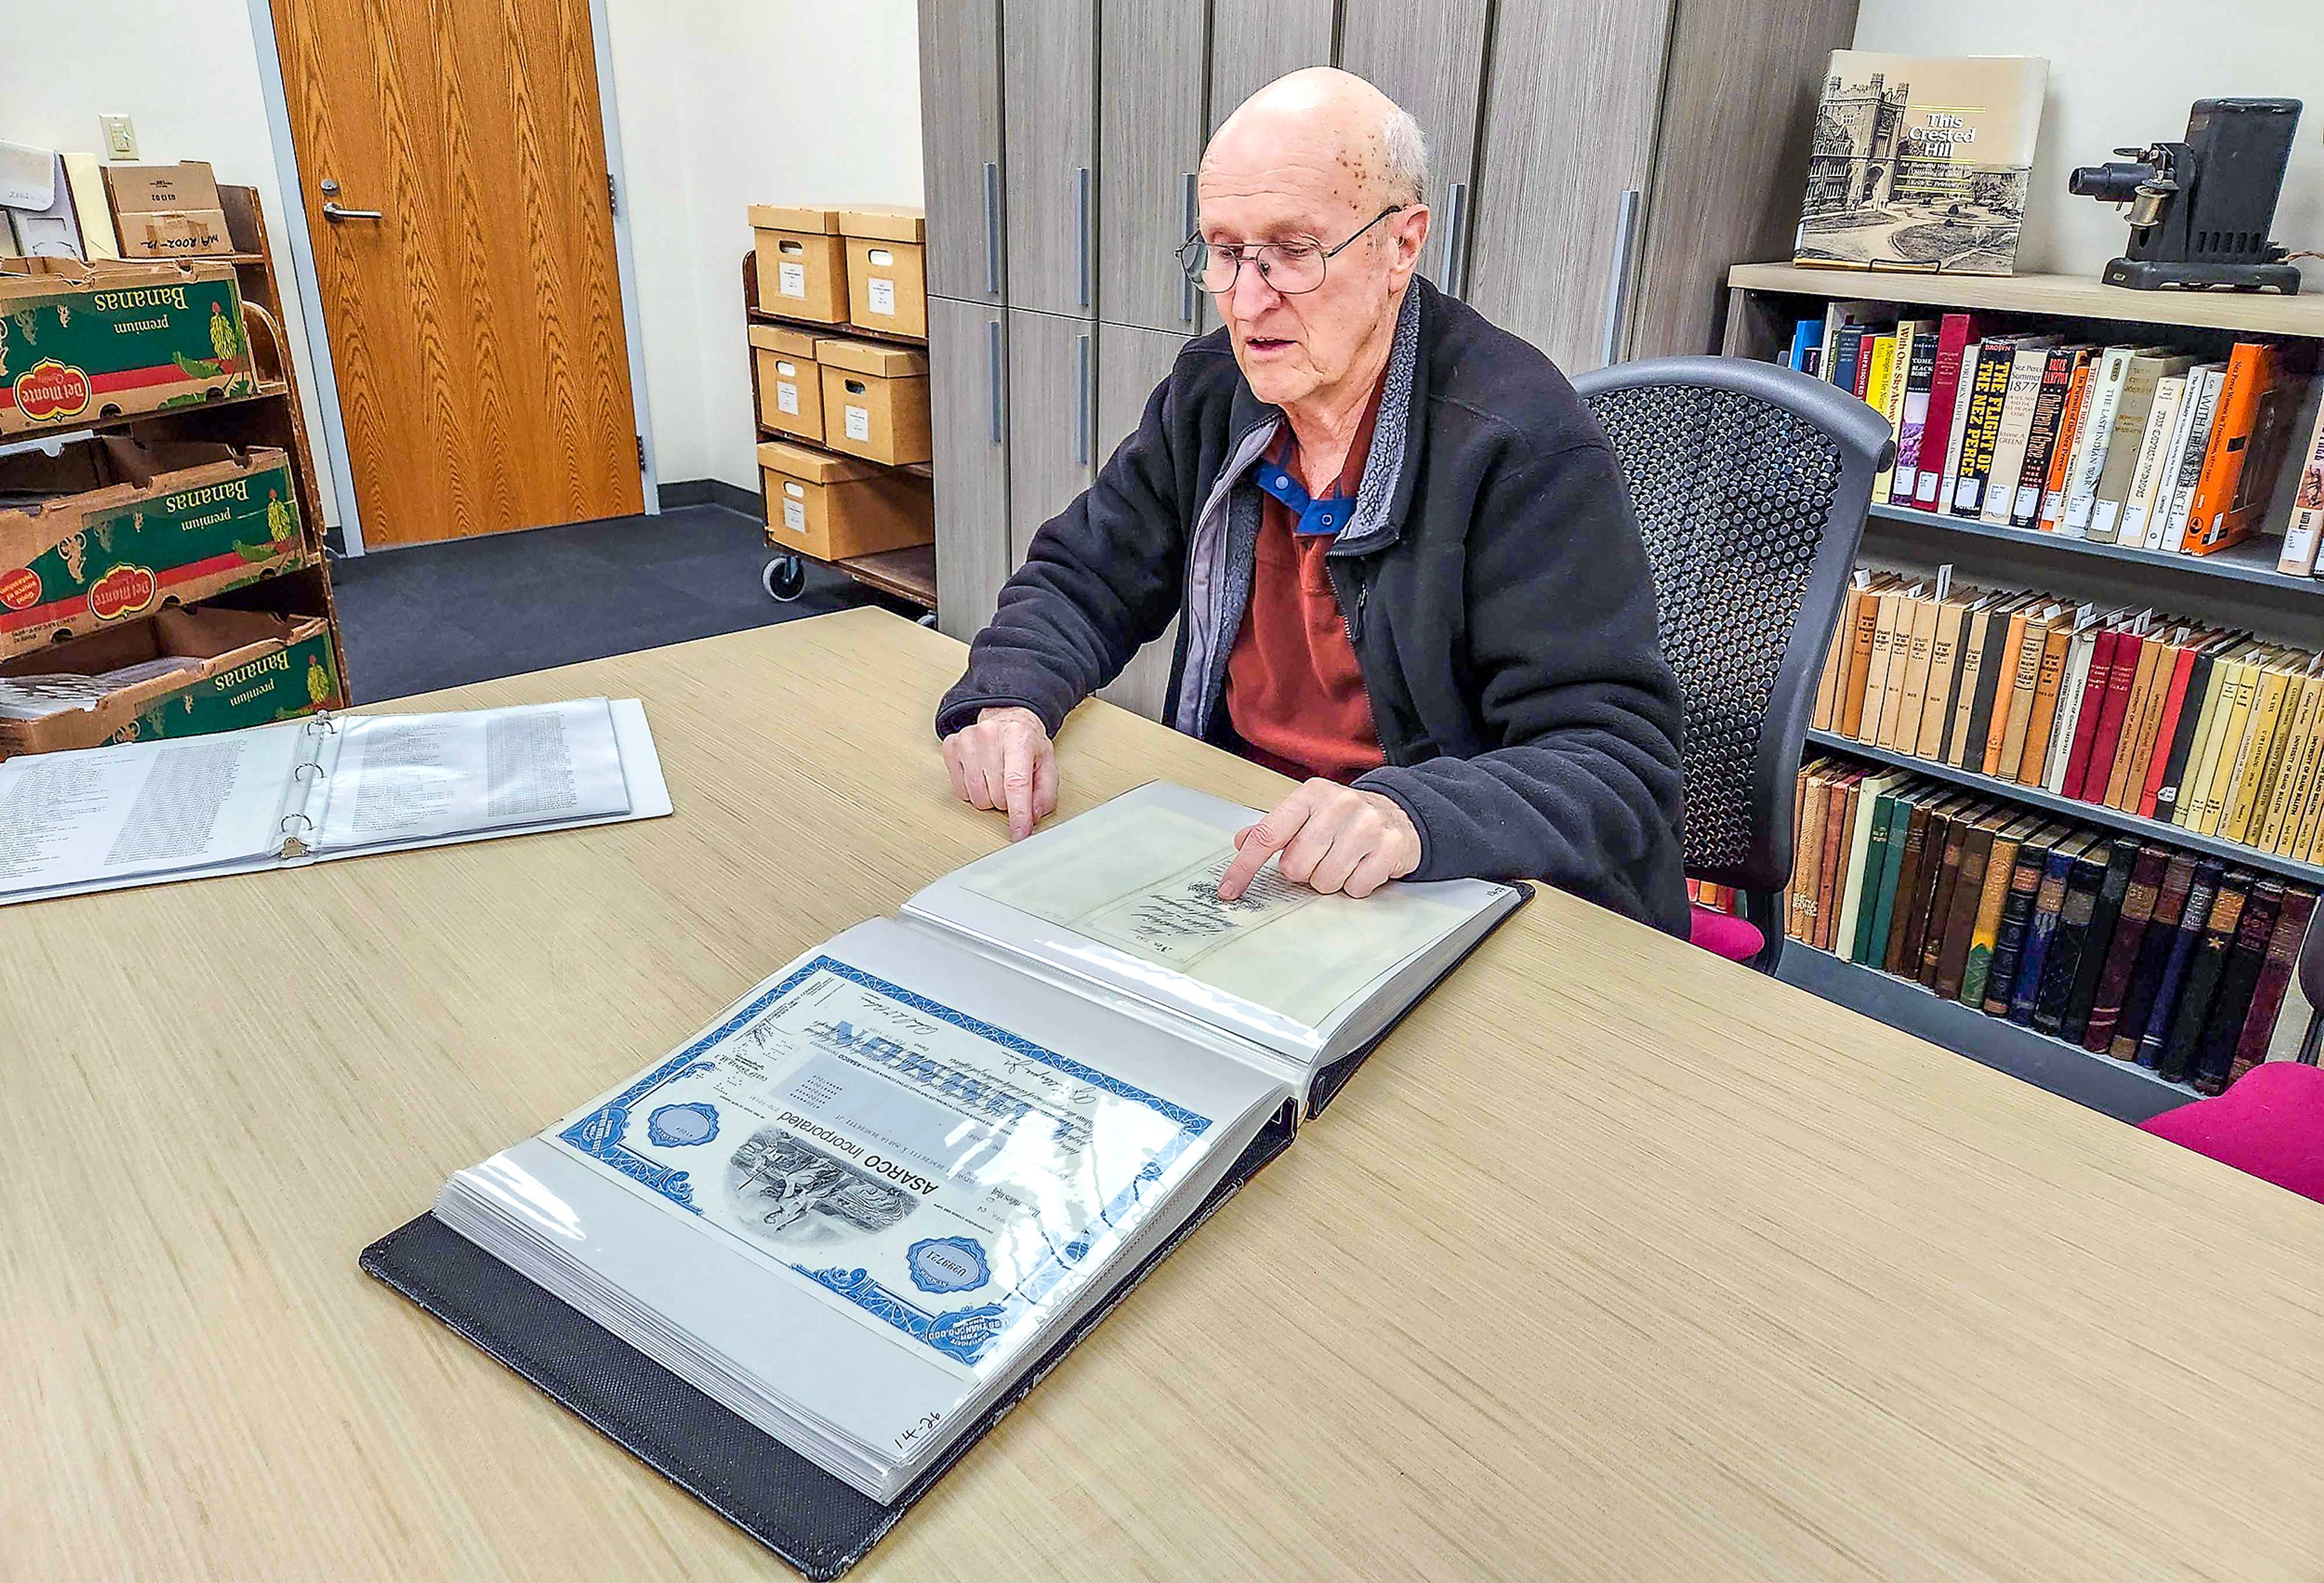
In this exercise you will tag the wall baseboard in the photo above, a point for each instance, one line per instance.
(712, 492)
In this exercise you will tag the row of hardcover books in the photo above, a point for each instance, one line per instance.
(2206, 728)
(2135, 445)
(2129, 948)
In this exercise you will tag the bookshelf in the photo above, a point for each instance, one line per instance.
(2239, 587)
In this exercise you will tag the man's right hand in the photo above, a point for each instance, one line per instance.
(1005, 761)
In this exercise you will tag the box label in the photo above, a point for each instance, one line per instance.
(282, 686)
(795, 515)
(88, 345)
(787, 398)
(883, 296)
(790, 280)
(122, 558)
(859, 423)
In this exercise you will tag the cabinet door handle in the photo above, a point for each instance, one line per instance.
(1082, 234)
(1186, 282)
(991, 229)
(1081, 401)
(1452, 275)
(1618, 281)
(993, 374)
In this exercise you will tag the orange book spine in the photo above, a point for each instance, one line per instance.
(2223, 455)
(2054, 489)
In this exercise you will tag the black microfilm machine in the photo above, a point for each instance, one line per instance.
(2200, 210)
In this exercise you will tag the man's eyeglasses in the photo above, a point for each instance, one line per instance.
(1289, 267)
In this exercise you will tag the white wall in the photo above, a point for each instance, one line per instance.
(727, 103)
(2124, 72)
(722, 104)
(187, 73)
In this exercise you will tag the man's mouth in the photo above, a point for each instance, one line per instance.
(1264, 345)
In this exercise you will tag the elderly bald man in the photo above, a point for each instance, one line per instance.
(1407, 570)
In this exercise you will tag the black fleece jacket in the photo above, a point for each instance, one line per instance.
(1498, 593)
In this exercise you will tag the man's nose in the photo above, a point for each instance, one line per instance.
(1250, 295)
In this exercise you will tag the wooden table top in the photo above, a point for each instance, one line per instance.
(1616, 1260)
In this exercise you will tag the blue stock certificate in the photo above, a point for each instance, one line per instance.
(939, 1176)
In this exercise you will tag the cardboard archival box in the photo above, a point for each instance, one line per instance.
(887, 270)
(790, 390)
(250, 667)
(875, 401)
(831, 508)
(189, 234)
(802, 262)
(111, 529)
(79, 343)
(148, 190)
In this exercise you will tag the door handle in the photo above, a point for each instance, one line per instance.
(1186, 282)
(1618, 283)
(991, 229)
(1451, 276)
(993, 374)
(1082, 234)
(1081, 401)
(335, 213)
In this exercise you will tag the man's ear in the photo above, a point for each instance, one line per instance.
(1409, 231)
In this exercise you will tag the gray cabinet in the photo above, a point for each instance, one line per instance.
(1255, 41)
(1048, 112)
(1431, 59)
(1150, 137)
(1131, 363)
(1570, 142)
(960, 148)
(968, 387)
(1052, 418)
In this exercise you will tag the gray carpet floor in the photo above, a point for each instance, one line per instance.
(438, 616)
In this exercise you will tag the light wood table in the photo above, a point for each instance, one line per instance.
(1617, 1260)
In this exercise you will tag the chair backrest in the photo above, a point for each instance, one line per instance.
(1751, 484)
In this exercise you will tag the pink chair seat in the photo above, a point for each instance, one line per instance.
(2270, 1125)
(1734, 938)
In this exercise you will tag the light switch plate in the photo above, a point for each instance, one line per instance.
(120, 137)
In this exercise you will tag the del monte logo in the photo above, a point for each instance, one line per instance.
(49, 389)
(123, 591)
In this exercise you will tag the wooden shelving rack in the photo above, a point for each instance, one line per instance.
(910, 574)
(273, 415)
(2239, 587)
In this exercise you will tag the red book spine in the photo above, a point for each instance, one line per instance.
(2108, 736)
(2085, 722)
(2172, 703)
(2275, 978)
(1936, 437)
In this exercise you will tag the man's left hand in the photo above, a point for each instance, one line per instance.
(1332, 838)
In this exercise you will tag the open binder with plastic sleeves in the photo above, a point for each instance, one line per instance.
(804, 1260)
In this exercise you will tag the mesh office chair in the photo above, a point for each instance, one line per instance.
(1751, 484)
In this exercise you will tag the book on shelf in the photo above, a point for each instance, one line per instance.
(2213, 1056)
(2127, 449)
(317, 789)
(1956, 335)
(2061, 970)
(2041, 928)
(1806, 337)
(1921, 163)
(2155, 948)
(2127, 944)
(1981, 435)
(2146, 475)
(2204, 891)
(2276, 971)
(1883, 391)
(2021, 399)
(2063, 369)
(2205, 382)
(2257, 402)
(2173, 1044)
(1998, 939)
(860, 1207)
(1913, 418)
(2094, 437)
(2106, 916)
(2304, 527)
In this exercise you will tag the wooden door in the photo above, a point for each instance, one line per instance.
(475, 325)
(1150, 140)
(1431, 59)
(1572, 99)
(968, 388)
(1052, 418)
(1130, 363)
(960, 148)
(1255, 41)
(1049, 99)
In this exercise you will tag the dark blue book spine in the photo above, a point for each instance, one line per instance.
(2192, 924)
(2040, 929)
